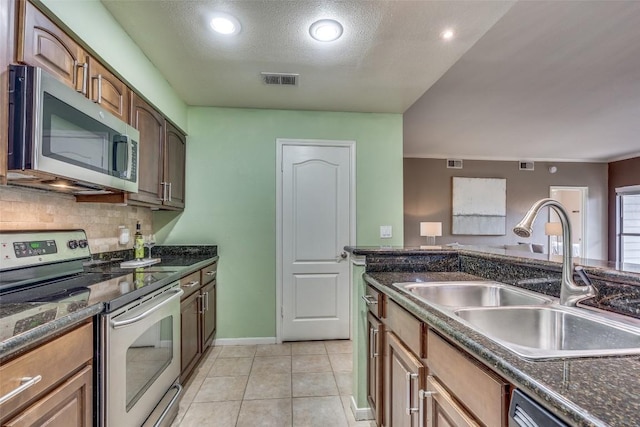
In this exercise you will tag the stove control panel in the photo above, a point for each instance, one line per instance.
(30, 248)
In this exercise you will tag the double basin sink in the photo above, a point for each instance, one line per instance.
(531, 325)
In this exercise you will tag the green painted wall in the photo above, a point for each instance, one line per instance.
(231, 197)
(90, 21)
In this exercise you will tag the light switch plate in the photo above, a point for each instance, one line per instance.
(385, 232)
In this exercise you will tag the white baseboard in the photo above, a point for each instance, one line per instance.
(360, 414)
(244, 341)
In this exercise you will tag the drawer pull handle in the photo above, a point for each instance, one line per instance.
(25, 383)
(369, 299)
(210, 273)
(408, 377)
(191, 284)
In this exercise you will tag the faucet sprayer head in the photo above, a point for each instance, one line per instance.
(522, 230)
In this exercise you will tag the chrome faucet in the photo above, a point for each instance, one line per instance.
(570, 292)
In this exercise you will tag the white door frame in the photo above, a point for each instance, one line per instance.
(280, 143)
(584, 194)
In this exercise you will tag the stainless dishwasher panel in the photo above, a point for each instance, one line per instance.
(525, 412)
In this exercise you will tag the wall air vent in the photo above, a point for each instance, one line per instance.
(454, 164)
(526, 166)
(280, 79)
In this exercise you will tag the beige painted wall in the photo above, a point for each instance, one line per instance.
(26, 209)
(427, 197)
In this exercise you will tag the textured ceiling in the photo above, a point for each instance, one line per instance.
(532, 80)
(389, 54)
(551, 80)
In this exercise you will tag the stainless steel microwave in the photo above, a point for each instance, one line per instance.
(60, 140)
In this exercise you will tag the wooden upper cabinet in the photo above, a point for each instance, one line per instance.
(43, 44)
(174, 166)
(150, 124)
(108, 91)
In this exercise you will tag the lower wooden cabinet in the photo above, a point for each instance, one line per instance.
(482, 392)
(190, 351)
(375, 365)
(417, 378)
(208, 295)
(61, 393)
(405, 378)
(441, 409)
(198, 317)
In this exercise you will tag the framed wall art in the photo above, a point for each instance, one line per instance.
(479, 206)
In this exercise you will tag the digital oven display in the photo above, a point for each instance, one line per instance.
(35, 248)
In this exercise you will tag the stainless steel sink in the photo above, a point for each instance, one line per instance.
(553, 331)
(474, 294)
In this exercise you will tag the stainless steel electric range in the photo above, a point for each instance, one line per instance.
(45, 275)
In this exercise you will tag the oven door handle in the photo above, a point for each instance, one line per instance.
(117, 324)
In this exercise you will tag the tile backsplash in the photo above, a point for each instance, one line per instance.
(27, 209)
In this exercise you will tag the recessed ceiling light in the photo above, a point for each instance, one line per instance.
(326, 30)
(225, 24)
(447, 34)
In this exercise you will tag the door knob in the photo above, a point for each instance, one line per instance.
(342, 256)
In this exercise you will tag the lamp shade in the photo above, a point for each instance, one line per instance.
(431, 229)
(553, 229)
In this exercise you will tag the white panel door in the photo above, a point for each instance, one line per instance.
(316, 195)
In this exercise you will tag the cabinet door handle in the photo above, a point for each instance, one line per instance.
(98, 99)
(428, 395)
(374, 354)
(164, 191)
(201, 298)
(85, 70)
(369, 299)
(25, 383)
(370, 343)
(191, 284)
(170, 191)
(408, 378)
(206, 301)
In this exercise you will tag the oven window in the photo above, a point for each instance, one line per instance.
(148, 357)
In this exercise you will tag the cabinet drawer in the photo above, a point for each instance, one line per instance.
(53, 362)
(190, 284)
(375, 301)
(406, 327)
(71, 404)
(208, 273)
(480, 390)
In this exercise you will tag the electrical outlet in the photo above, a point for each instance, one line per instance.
(385, 232)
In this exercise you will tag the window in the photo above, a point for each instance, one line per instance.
(628, 224)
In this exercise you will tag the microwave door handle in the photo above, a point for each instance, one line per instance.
(117, 141)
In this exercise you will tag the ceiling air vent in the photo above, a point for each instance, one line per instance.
(454, 164)
(280, 79)
(526, 166)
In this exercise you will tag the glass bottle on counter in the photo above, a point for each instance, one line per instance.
(138, 243)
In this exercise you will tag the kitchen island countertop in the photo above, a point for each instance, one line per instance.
(596, 391)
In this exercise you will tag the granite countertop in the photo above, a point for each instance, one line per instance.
(597, 391)
(43, 320)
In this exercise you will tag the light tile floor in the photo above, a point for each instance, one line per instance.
(302, 384)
